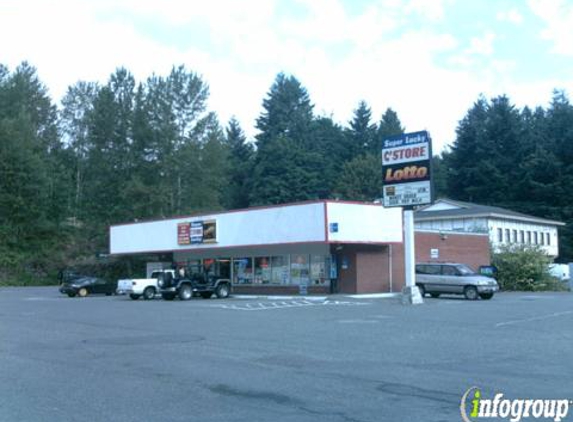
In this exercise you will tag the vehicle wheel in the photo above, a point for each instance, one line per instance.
(223, 291)
(206, 295)
(435, 295)
(83, 292)
(471, 293)
(108, 293)
(71, 294)
(168, 296)
(421, 289)
(148, 293)
(486, 296)
(185, 292)
(134, 296)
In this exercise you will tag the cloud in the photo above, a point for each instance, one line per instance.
(391, 53)
(557, 15)
(512, 16)
(482, 45)
(433, 10)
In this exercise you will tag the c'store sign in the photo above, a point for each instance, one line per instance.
(406, 170)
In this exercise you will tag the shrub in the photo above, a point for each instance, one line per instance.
(524, 267)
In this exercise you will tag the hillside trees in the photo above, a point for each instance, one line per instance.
(519, 159)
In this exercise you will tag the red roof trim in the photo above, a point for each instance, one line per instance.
(256, 246)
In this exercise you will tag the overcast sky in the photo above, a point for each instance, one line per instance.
(427, 59)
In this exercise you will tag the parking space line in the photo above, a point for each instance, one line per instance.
(538, 318)
(263, 306)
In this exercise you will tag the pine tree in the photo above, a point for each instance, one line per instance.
(287, 112)
(389, 125)
(362, 131)
(361, 179)
(33, 180)
(285, 172)
(74, 123)
(241, 156)
(333, 149)
(286, 168)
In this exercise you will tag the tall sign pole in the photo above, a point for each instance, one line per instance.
(407, 182)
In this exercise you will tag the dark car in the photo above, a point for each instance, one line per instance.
(203, 280)
(83, 286)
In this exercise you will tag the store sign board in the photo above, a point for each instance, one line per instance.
(183, 233)
(197, 232)
(406, 169)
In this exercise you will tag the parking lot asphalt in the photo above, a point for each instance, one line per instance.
(296, 359)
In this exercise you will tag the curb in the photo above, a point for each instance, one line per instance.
(318, 298)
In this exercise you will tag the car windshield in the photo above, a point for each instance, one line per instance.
(465, 270)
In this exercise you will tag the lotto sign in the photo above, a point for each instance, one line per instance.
(406, 174)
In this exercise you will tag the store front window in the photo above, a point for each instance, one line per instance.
(282, 270)
(299, 270)
(242, 271)
(319, 270)
(262, 270)
(279, 269)
(224, 269)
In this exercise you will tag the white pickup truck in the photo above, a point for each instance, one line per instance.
(137, 287)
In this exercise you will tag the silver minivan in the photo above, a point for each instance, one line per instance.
(437, 278)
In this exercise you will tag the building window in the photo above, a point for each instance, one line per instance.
(279, 269)
(535, 240)
(548, 239)
(507, 239)
(224, 267)
(521, 236)
(319, 269)
(514, 236)
(499, 235)
(542, 238)
(242, 270)
(262, 270)
(299, 269)
(528, 237)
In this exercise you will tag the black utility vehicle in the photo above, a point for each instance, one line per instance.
(203, 280)
(82, 286)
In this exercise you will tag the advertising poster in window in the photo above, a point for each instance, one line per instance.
(406, 169)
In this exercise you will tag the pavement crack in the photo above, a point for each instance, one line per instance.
(281, 399)
(422, 393)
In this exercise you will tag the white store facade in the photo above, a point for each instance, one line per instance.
(324, 245)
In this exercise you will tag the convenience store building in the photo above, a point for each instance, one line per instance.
(316, 247)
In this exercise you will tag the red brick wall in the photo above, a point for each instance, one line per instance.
(372, 271)
(368, 269)
(470, 249)
(397, 253)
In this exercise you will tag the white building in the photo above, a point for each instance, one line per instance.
(328, 246)
(505, 227)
